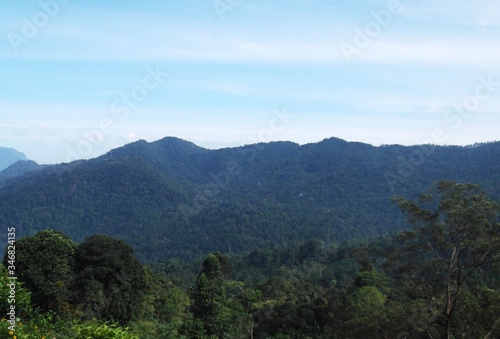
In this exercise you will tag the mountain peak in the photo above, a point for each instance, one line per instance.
(178, 144)
(17, 169)
(9, 156)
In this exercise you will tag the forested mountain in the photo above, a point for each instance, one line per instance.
(173, 199)
(8, 156)
(17, 169)
(438, 279)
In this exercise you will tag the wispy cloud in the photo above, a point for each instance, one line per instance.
(438, 51)
(225, 77)
(481, 13)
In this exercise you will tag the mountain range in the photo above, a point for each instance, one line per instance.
(173, 199)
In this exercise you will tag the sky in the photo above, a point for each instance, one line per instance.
(78, 78)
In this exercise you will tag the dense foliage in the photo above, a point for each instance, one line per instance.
(172, 199)
(439, 279)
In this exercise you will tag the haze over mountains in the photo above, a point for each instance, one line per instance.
(173, 199)
(9, 156)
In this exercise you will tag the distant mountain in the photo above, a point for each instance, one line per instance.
(173, 199)
(17, 169)
(8, 156)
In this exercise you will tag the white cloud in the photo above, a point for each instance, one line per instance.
(482, 13)
(131, 136)
(437, 50)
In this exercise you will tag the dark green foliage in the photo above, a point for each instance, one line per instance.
(44, 263)
(110, 282)
(172, 199)
(439, 279)
(211, 314)
(17, 169)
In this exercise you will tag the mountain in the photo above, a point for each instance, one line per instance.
(8, 156)
(17, 169)
(173, 199)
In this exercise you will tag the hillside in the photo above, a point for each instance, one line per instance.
(8, 156)
(17, 169)
(173, 199)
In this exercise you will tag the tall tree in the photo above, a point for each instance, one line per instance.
(456, 224)
(215, 311)
(44, 262)
(110, 281)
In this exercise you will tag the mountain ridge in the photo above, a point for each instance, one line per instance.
(9, 156)
(173, 199)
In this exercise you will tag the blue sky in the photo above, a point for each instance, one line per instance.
(225, 73)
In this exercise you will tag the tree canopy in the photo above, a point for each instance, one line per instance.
(438, 279)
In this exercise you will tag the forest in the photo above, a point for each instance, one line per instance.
(438, 278)
(171, 199)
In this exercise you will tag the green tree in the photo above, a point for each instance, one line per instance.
(456, 226)
(22, 296)
(208, 297)
(110, 281)
(44, 262)
(215, 311)
(169, 306)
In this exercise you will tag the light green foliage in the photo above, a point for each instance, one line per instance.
(367, 304)
(369, 298)
(99, 330)
(22, 297)
(169, 305)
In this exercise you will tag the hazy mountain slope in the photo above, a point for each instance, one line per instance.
(171, 198)
(17, 169)
(8, 156)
